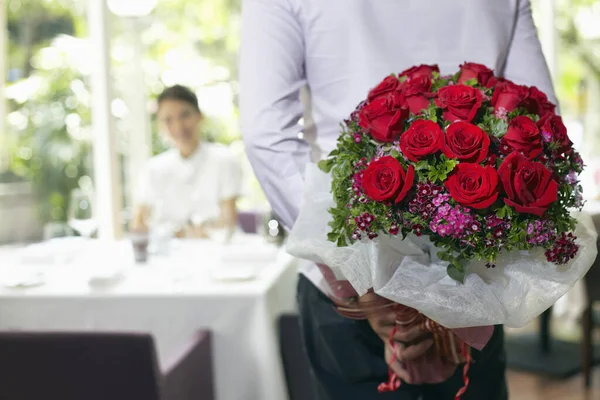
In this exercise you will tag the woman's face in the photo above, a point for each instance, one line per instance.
(180, 121)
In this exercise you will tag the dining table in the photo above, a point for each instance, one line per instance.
(235, 290)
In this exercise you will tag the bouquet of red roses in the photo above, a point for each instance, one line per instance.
(453, 195)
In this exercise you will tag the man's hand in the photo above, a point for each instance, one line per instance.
(411, 343)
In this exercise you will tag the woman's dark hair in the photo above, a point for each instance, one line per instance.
(180, 93)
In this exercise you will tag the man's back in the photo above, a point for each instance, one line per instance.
(351, 45)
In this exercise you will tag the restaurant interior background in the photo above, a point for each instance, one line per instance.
(80, 82)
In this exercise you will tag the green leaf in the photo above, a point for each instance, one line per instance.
(501, 213)
(471, 82)
(456, 272)
(342, 242)
(498, 127)
(332, 236)
(325, 165)
(449, 165)
(395, 153)
(504, 211)
(422, 165)
(433, 175)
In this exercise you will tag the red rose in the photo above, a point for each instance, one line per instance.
(385, 180)
(389, 84)
(417, 93)
(495, 80)
(384, 117)
(470, 70)
(422, 138)
(459, 102)
(537, 103)
(555, 131)
(524, 136)
(529, 186)
(466, 142)
(420, 70)
(472, 185)
(508, 96)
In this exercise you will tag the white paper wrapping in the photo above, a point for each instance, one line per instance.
(520, 287)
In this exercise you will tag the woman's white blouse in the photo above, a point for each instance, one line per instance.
(181, 190)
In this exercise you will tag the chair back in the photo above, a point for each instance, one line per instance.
(78, 366)
(249, 221)
(592, 281)
(295, 362)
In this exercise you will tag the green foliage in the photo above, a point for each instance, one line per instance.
(495, 126)
(47, 154)
(439, 168)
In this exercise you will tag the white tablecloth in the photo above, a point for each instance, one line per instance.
(172, 297)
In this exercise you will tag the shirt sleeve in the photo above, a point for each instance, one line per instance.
(271, 76)
(525, 62)
(230, 177)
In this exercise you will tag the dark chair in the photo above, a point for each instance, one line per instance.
(249, 221)
(590, 319)
(100, 366)
(295, 361)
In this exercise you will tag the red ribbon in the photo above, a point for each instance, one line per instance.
(394, 382)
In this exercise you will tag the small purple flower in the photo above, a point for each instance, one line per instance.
(417, 230)
(501, 113)
(444, 210)
(571, 178)
(440, 199)
(577, 160)
(368, 218)
(424, 190)
(546, 136)
(357, 138)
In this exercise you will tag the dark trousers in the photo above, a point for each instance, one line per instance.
(347, 362)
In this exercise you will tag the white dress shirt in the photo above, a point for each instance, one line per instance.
(341, 49)
(181, 190)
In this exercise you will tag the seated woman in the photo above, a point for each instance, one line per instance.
(193, 187)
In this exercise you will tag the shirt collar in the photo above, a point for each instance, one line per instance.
(195, 157)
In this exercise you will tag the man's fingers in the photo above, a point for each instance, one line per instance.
(402, 334)
(409, 335)
(396, 366)
(409, 353)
